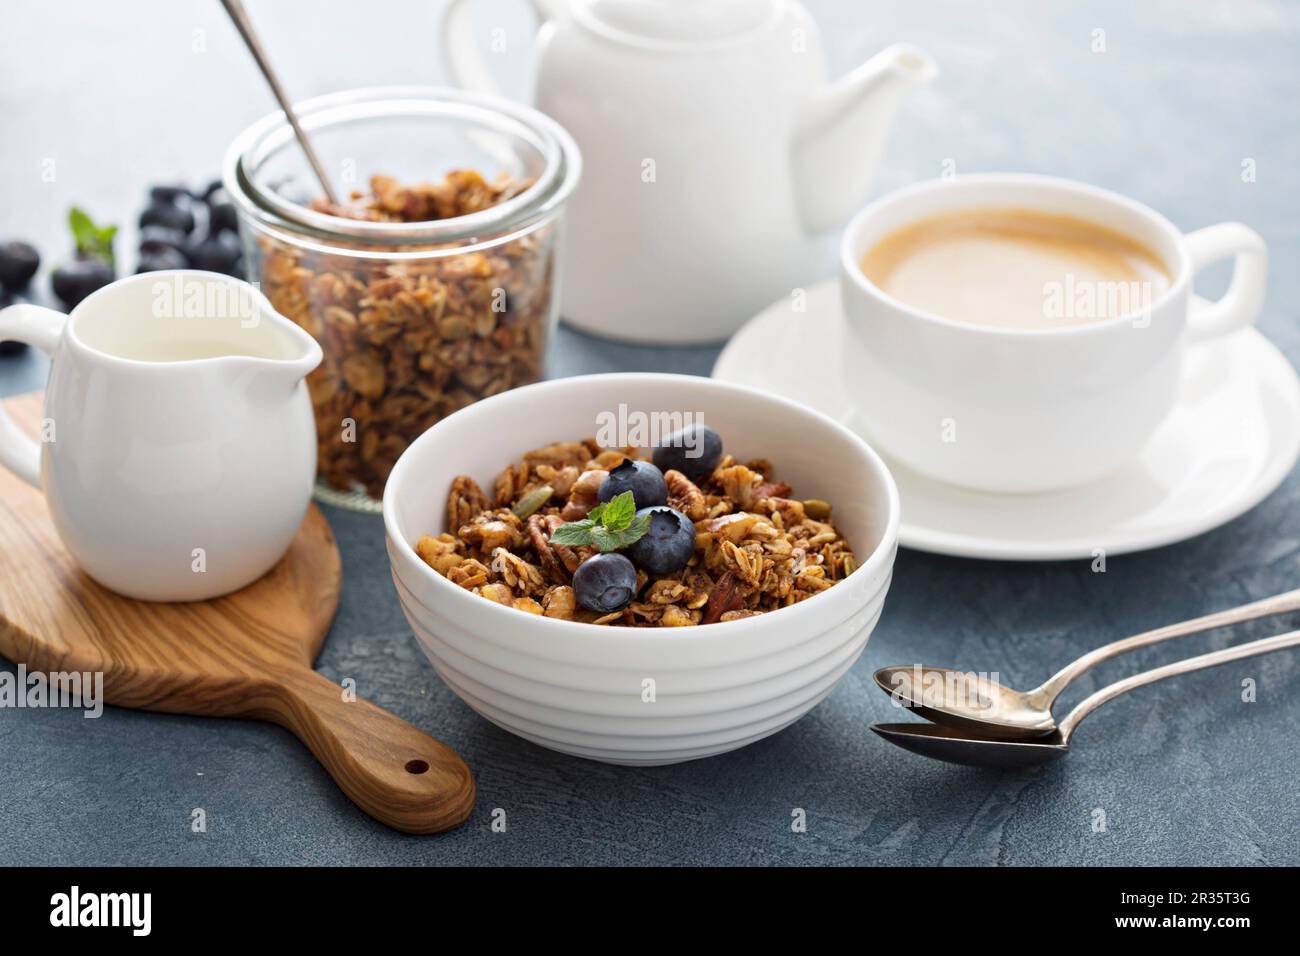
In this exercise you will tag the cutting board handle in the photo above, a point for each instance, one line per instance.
(396, 773)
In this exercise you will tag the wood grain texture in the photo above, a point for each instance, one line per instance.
(247, 654)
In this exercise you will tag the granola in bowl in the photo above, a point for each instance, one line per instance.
(583, 533)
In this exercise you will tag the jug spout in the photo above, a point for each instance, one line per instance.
(300, 357)
(272, 356)
(840, 133)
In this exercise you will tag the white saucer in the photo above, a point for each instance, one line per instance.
(1232, 438)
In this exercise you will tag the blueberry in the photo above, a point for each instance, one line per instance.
(167, 214)
(166, 194)
(161, 260)
(73, 281)
(210, 190)
(605, 583)
(158, 238)
(669, 543)
(644, 480)
(18, 263)
(221, 211)
(222, 217)
(216, 253)
(694, 451)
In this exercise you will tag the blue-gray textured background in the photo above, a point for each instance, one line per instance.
(1186, 773)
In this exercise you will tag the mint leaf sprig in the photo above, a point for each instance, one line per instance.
(92, 241)
(607, 527)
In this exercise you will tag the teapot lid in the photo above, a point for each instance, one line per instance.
(675, 22)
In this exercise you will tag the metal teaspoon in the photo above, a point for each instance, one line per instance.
(245, 27)
(959, 745)
(984, 707)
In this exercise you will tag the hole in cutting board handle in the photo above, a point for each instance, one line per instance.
(417, 766)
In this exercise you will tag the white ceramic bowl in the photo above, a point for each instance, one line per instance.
(578, 688)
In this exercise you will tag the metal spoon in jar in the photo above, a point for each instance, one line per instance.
(988, 710)
(964, 746)
(245, 27)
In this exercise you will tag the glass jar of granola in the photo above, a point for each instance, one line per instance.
(430, 283)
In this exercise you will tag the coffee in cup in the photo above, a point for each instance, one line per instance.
(1016, 268)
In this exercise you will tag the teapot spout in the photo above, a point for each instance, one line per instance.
(840, 134)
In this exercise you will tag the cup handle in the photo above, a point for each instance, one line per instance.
(460, 48)
(38, 327)
(1240, 305)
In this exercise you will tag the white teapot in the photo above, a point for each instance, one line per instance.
(714, 152)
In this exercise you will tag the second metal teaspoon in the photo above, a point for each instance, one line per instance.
(956, 745)
(953, 698)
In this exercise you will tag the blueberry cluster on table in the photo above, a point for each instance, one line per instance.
(179, 229)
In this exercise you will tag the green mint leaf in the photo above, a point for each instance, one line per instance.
(619, 511)
(634, 532)
(82, 226)
(607, 527)
(604, 539)
(575, 534)
(90, 239)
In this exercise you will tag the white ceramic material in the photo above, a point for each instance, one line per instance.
(579, 688)
(1232, 437)
(170, 480)
(1027, 410)
(715, 151)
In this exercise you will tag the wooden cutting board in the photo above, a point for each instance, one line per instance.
(248, 654)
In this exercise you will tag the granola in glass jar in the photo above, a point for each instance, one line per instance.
(424, 297)
(410, 340)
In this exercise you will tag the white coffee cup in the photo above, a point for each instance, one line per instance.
(1027, 410)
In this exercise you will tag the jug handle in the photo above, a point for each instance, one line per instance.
(460, 49)
(40, 328)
